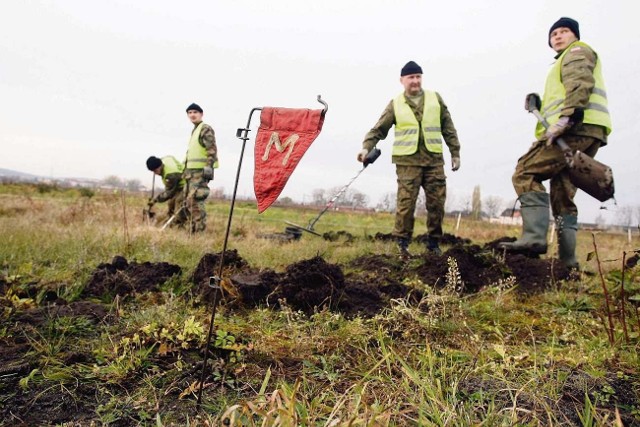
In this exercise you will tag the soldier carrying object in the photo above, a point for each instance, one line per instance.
(575, 106)
(421, 120)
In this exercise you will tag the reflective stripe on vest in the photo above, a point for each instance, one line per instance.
(197, 157)
(596, 112)
(171, 165)
(407, 127)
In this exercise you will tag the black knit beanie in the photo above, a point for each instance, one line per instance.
(194, 106)
(565, 22)
(410, 68)
(153, 163)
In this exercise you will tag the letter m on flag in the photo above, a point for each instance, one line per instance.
(284, 136)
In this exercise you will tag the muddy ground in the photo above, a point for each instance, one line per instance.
(363, 287)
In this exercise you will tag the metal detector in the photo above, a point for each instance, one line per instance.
(586, 173)
(369, 159)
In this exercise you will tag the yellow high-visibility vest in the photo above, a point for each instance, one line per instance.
(407, 127)
(171, 165)
(597, 111)
(196, 153)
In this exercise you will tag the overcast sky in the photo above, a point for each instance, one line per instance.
(92, 88)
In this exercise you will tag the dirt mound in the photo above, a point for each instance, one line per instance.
(446, 239)
(210, 263)
(532, 273)
(122, 278)
(314, 284)
(476, 268)
(304, 285)
(334, 236)
(385, 237)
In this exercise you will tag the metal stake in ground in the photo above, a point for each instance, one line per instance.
(369, 159)
(146, 213)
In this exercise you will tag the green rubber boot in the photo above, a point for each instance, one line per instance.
(534, 207)
(567, 226)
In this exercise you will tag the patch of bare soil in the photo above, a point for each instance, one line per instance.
(38, 316)
(122, 278)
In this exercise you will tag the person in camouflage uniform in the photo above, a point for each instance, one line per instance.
(202, 158)
(421, 120)
(575, 105)
(170, 169)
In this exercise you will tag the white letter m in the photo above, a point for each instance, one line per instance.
(275, 139)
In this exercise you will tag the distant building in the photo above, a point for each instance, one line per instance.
(508, 217)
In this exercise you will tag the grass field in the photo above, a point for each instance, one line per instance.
(440, 354)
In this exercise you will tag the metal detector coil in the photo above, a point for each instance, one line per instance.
(370, 158)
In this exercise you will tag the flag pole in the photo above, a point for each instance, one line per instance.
(214, 281)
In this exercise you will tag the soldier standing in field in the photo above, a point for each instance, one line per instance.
(575, 105)
(421, 120)
(202, 158)
(170, 170)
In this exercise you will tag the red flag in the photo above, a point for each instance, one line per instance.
(284, 136)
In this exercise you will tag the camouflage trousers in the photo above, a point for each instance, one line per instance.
(175, 203)
(544, 162)
(196, 193)
(410, 180)
(175, 206)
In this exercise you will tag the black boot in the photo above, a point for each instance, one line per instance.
(403, 245)
(534, 207)
(432, 246)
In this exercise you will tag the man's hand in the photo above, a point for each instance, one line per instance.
(150, 203)
(557, 129)
(207, 173)
(362, 154)
(455, 163)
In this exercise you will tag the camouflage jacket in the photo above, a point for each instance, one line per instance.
(172, 187)
(422, 157)
(208, 141)
(577, 76)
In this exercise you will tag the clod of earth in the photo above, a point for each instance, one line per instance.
(122, 278)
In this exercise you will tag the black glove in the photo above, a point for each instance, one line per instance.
(532, 100)
(150, 203)
(207, 173)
